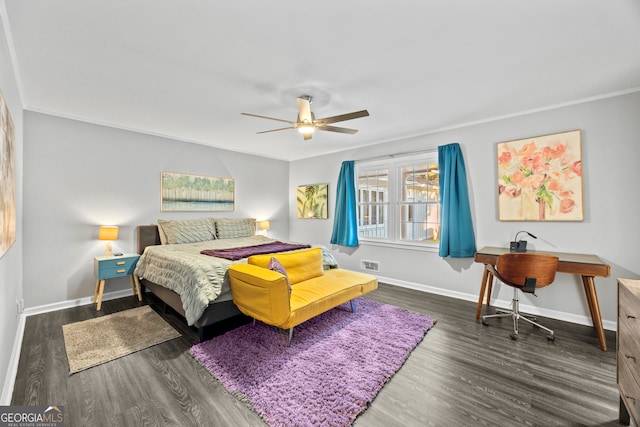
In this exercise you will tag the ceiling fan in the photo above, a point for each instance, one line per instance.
(307, 122)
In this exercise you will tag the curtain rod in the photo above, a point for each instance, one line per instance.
(394, 155)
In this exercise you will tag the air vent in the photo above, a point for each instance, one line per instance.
(370, 265)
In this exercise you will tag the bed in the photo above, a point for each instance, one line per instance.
(172, 267)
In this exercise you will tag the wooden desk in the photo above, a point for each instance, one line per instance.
(587, 266)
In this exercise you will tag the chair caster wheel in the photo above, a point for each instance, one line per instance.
(551, 338)
(485, 323)
(514, 336)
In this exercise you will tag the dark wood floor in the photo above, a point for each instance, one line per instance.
(462, 374)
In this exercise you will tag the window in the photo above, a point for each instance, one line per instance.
(399, 200)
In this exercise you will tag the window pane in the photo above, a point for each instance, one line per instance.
(415, 183)
(433, 185)
(372, 188)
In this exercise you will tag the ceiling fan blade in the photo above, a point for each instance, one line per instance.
(342, 117)
(338, 129)
(304, 111)
(268, 118)
(276, 130)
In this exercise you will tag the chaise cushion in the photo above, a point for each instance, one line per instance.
(320, 294)
(299, 265)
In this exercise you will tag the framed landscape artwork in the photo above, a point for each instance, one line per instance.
(540, 178)
(7, 180)
(185, 192)
(311, 201)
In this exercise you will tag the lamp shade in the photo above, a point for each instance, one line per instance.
(108, 232)
(264, 225)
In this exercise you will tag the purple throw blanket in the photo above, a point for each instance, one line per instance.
(235, 254)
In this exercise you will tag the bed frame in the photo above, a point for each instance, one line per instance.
(219, 310)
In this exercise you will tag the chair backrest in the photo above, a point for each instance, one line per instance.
(516, 267)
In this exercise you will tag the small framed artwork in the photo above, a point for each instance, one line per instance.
(191, 193)
(540, 178)
(312, 201)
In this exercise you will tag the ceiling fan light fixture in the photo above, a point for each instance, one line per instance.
(306, 129)
(307, 124)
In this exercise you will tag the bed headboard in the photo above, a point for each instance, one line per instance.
(147, 236)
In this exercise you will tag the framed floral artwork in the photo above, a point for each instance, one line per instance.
(311, 201)
(540, 178)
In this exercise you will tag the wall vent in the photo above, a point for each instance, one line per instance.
(370, 265)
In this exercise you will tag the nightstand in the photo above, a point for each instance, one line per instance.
(109, 267)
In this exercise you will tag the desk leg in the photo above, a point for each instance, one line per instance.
(487, 279)
(594, 308)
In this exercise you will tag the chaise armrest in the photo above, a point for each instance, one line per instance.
(260, 293)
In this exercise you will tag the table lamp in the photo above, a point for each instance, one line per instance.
(264, 226)
(108, 233)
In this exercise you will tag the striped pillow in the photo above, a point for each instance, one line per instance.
(232, 228)
(186, 231)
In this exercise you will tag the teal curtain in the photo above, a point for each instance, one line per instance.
(457, 239)
(345, 221)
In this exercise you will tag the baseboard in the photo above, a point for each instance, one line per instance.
(537, 311)
(12, 371)
(74, 303)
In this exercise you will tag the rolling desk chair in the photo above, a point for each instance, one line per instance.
(523, 272)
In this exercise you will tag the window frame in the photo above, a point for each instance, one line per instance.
(394, 202)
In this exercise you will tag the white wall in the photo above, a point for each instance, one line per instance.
(611, 154)
(11, 262)
(78, 176)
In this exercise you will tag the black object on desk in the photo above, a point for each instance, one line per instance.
(519, 245)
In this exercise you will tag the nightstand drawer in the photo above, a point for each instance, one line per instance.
(110, 267)
(110, 273)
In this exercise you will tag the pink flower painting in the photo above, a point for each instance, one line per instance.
(540, 179)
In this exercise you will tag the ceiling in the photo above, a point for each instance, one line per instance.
(187, 69)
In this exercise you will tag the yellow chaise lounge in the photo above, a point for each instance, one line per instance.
(305, 291)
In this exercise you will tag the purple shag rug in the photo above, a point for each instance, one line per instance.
(336, 364)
